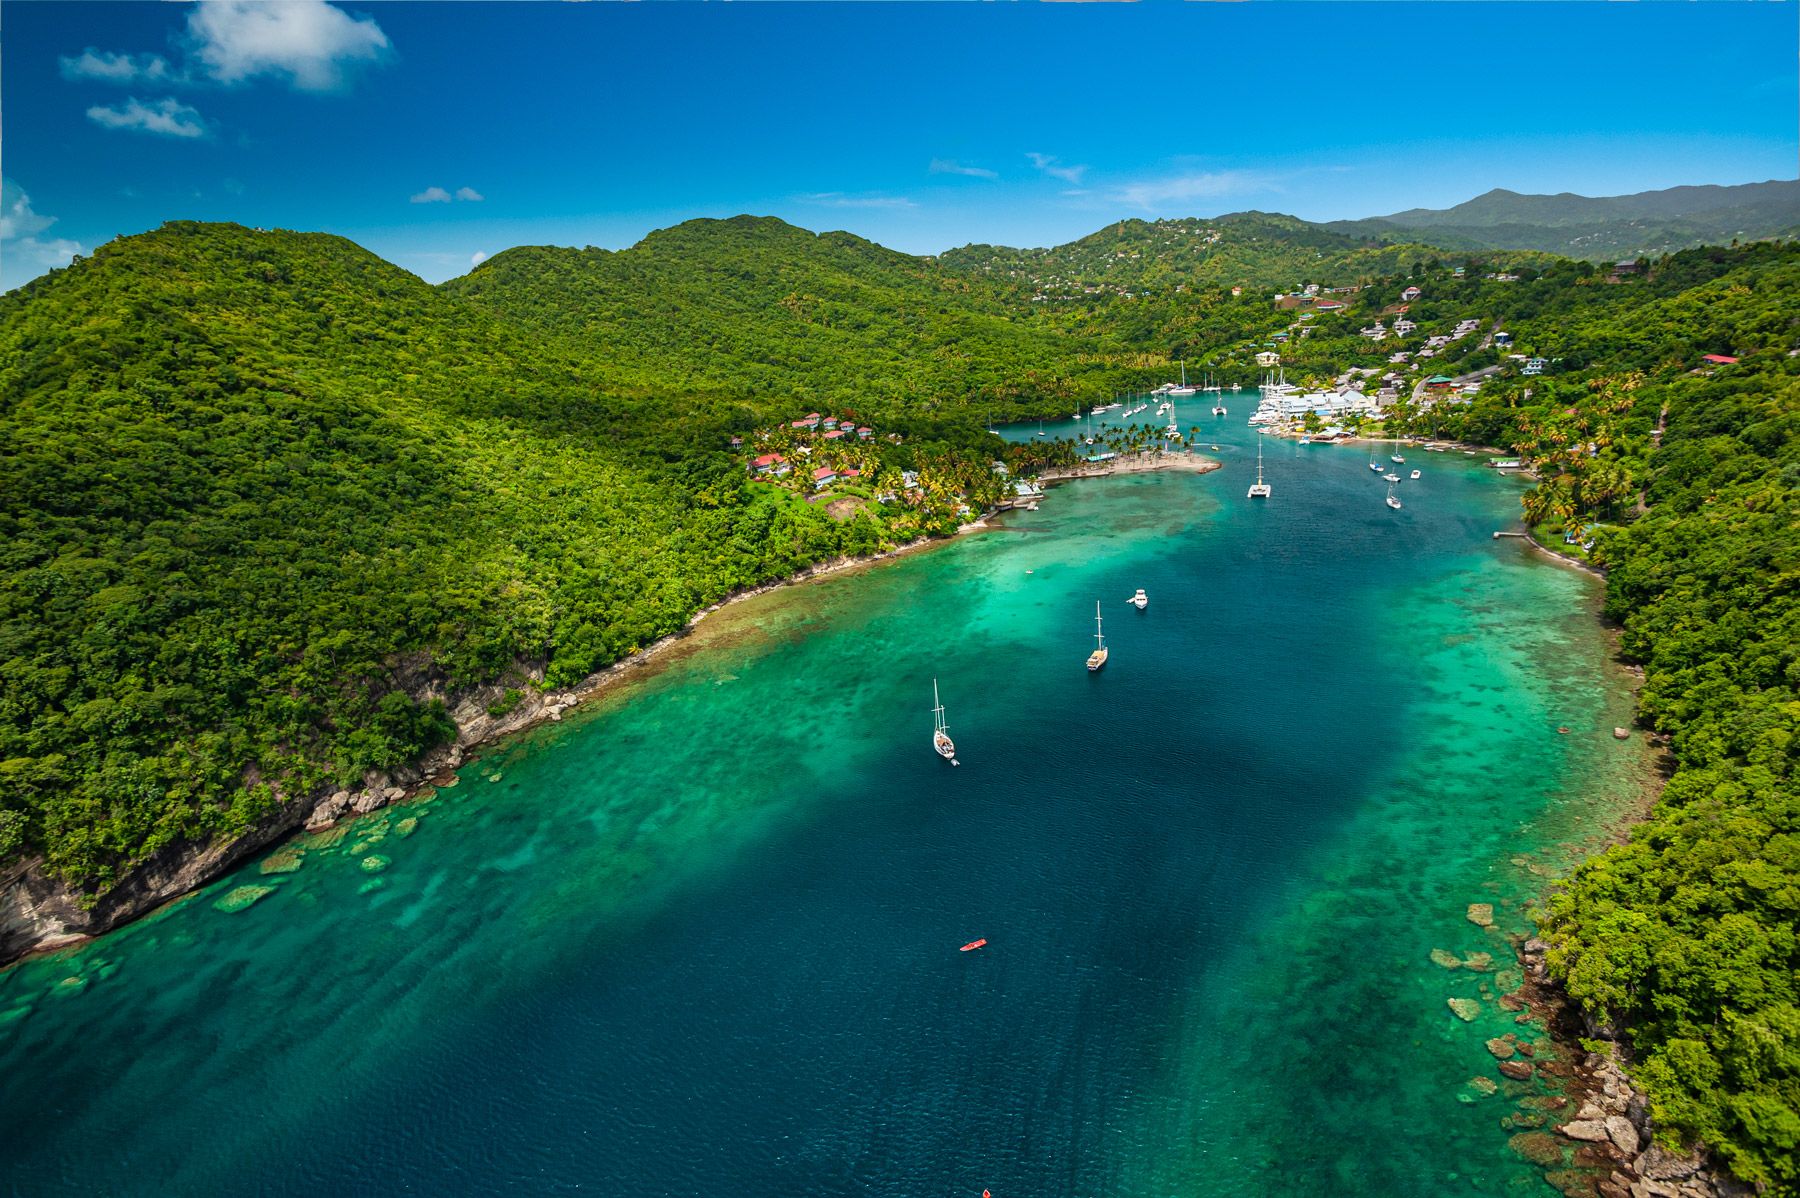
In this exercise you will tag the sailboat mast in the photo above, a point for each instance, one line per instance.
(1099, 638)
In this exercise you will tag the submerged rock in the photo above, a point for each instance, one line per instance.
(1518, 1071)
(1574, 1183)
(1538, 1147)
(283, 861)
(1481, 914)
(1508, 980)
(1478, 961)
(1502, 1049)
(329, 838)
(1466, 1008)
(371, 886)
(406, 827)
(243, 896)
(1448, 960)
(374, 863)
(1483, 1087)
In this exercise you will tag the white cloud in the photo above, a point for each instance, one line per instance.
(106, 66)
(432, 195)
(309, 42)
(1053, 166)
(1195, 185)
(26, 254)
(949, 166)
(469, 193)
(477, 258)
(838, 199)
(167, 117)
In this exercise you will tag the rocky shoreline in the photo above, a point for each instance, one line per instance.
(1603, 1136)
(40, 913)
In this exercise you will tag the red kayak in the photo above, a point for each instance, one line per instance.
(972, 945)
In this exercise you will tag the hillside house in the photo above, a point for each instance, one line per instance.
(1409, 295)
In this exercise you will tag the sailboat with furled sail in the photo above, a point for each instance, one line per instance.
(1259, 489)
(1097, 658)
(940, 736)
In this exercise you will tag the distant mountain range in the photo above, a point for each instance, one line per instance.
(1604, 228)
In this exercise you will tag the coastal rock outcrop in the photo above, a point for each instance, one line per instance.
(1481, 914)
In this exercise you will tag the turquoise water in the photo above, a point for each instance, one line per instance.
(702, 939)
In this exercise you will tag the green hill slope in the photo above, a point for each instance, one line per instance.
(1255, 250)
(250, 483)
(753, 310)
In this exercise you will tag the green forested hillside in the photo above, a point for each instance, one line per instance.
(1256, 250)
(753, 309)
(246, 476)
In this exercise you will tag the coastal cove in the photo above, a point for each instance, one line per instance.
(700, 936)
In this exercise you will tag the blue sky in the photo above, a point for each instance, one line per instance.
(920, 126)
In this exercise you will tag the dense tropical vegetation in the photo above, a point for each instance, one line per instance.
(264, 495)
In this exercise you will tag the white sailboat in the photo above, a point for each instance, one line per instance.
(1184, 389)
(1097, 658)
(1391, 500)
(1259, 489)
(1373, 464)
(940, 736)
(1219, 403)
(1140, 600)
(1397, 456)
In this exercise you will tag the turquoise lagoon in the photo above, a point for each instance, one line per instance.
(702, 939)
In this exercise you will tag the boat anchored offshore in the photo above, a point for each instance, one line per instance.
(1140, 600)
(1097, 658)
(1392, 501)
(1259, 489)
(941, 743)
(972, 945)
(1415, 475)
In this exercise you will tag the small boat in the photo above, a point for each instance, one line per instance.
(1139, 600)
(1415, 475)
(1097, 658)
(972, 945)
(1390, 478)
(1259, 489)
(1391, 500)
(1184, 389)
(940, 736)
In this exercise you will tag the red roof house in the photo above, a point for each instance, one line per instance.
(1720, 359)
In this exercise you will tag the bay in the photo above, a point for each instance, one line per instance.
(702, 938)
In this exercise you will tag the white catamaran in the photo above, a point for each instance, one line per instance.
(1097, 658)
(940, 736)
(1259, 489)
